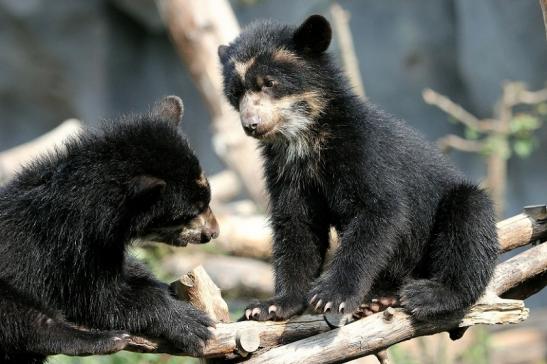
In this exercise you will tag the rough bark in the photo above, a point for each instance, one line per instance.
(235, 276)
(379, 331)
(523, 229)
(371, 334)
(197, 288)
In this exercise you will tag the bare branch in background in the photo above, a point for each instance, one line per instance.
(543, 4)
(245, 235)
(197, 28)
(497, 131)
(452, 141)
(13, 159)
(340, 23)
(451, 108)
(225, 186)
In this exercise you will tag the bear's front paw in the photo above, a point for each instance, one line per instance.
(277, 308)
(117, 342)
(95, 342)
(190, 330)
(376, 305)
(331, 295)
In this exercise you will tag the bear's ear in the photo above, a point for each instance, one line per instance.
(222, 52)
(146, 187)
(314, 35)
(170, 109)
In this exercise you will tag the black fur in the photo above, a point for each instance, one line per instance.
(66, 222)
(407, 220)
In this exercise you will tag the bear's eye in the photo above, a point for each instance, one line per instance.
(268, 82)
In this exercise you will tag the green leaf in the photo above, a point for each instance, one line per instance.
(524, 124)
(471, 134)
(523, 147)
(496, 145)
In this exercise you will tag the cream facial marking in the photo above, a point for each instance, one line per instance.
(289, 118)
(288, 115)
(286, 56)
(242, 67)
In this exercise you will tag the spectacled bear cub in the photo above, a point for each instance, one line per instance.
(408, 222)
(66, 222)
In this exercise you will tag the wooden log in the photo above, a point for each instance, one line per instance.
(371, 334)
(250, 235)
(519, 269)
(524, 228)
(199, 289)
(235, 276)
(367, 336)
(245, 235)
(233, 338)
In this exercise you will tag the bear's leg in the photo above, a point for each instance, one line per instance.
(301, 238)
(53, 337)
(29, 335)
(143, 305)
(461, 256)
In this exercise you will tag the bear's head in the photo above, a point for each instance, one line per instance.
(278, 77)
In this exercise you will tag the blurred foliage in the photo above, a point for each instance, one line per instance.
(520, 138)
(152, 256)
(123, 358)
(477, 352)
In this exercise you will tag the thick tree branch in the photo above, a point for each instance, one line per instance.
(309, 337)
(379, 331)
(369, 335)
(249, 235)
(523, 229)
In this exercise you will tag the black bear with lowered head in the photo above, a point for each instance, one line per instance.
(409, 223)
(67, 221)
